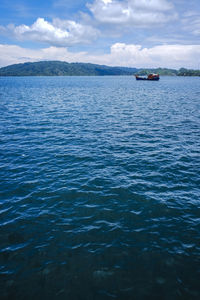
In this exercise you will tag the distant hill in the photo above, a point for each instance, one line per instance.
(58, 68)
(186, 72)
(170, 72)
(161, 71)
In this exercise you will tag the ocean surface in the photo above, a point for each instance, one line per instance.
(99, 188)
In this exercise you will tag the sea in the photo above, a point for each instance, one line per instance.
(99, 188)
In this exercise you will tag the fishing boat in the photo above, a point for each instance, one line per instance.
(154, 77)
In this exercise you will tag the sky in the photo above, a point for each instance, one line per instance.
(131, 33)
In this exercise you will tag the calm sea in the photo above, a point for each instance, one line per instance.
(99, 188)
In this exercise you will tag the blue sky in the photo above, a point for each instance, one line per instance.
(134, 33)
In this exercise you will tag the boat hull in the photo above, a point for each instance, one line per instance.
(152, 79)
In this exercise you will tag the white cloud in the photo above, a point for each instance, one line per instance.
(140, 13)
(171, 56)
(107, 1)
(59, 33)
(12, 54)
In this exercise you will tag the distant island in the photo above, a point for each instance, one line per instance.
(59, 68)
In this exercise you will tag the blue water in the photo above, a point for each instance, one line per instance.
(99, 188)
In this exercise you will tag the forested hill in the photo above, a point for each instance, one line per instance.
(58, 68)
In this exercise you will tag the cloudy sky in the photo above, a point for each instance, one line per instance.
(134, 33)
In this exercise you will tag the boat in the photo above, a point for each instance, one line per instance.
(154, 77)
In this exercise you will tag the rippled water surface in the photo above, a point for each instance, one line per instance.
(99, 188)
